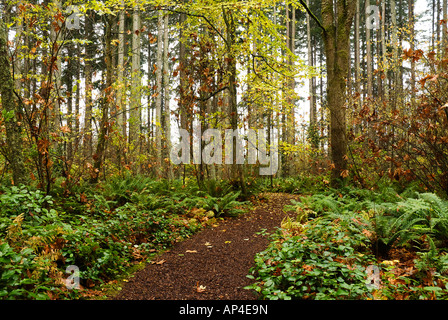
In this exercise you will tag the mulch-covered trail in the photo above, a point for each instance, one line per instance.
(213, 263)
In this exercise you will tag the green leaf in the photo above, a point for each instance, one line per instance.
(342, 292)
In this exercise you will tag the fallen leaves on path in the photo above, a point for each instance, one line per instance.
(208, 244)
(200, 288)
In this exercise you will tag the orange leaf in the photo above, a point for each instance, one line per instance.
(200, 288)
(65, 129)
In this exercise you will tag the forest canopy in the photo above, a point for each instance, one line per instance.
(93, 89)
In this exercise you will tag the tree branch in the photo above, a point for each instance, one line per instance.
(213, 94)
(312, 15)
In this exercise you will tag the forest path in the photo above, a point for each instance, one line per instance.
(212, 264)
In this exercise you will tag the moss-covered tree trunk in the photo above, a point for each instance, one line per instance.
(107, 97)
(337, 18)
(11, 112)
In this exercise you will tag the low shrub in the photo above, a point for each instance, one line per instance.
(349, 229)
(102, 231)
(319, 263)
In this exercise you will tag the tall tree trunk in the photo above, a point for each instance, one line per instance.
(356, 44)
(395, 62)
(182, 73)
(55, 36)
(77, 98)
(313, 111)
(385, 67)
(166, 104)
(237, 169)
(69, 96)
(369, 61)
(135, 103)
(105, 105)
(11, 111)
(438, 43)
(412, 46)
(182, 78)
(159, 94)
(88, 73)
(337, 44)
(121, 90)
(17, 57)
(292, 81)
(444, 25)
(149, 84)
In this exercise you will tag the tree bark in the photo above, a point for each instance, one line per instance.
(104, 123)
(121, 102)
(159, 94)
(369, 62)
(55, 38)
(166, 89)
(11, 111)
(337, 44)
(357, 55)
(444, 25)
(182, 73)
(135, 103)
(313, 112)
(237, 169)
(412, 46)
(88, 73)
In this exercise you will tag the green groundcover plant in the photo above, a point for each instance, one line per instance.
(102, 231)
(324, 261)
(341, 234)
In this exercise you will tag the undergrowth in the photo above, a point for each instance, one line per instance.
(326, 255)
(101, 230)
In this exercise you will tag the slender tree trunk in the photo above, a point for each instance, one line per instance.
(55, 36)
(159, 94)
(292, 81)
(150, 99)
(357, 79)
(121, 90)
(313, 111)
(135, 103)
(369, 62)
(182, 73)
(412, 46)
(438, 43)
(88, 73)
(356, 44)
(17, 57)
(395, 63)
(182, 78)
(69, 97)
(105, 105)
(237, 169)
(77, 99)
(12, 115)
(385, 67)
(166, 84)
(444, 25)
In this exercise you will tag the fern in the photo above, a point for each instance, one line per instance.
(216, 188)
(223, 206)
(321, 203)
(438, 214)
